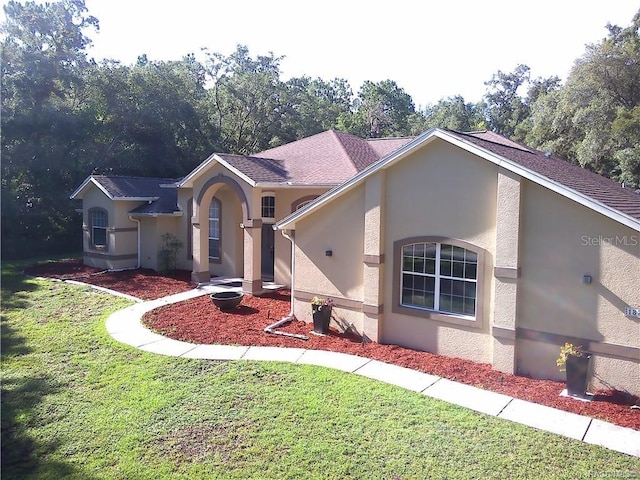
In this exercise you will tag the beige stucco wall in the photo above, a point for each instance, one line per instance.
(121, 249)
(184, 234)
(561, 241)
(285, 199)
(152, 229)
(339, 228)
(441, 191)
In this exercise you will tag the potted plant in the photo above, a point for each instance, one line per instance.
(575, 361)
(321, 311)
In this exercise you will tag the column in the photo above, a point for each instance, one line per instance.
(506, 271)
(252, 281)
(373, 257)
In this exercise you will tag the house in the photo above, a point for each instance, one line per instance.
(223, 211)
(463, 244)
(471, 245)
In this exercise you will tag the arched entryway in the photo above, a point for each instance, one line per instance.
(220, 208)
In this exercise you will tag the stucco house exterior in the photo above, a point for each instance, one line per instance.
(474, 246)
(223, 211)
(463, 244)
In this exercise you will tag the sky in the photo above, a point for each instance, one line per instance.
(432, 50)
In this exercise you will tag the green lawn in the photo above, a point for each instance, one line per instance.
(77, 404)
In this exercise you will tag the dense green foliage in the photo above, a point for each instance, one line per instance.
(64, 116)
(77, 404)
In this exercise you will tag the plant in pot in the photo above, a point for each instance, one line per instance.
(575, 362)
(321, 312)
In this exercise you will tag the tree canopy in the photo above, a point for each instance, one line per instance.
(64, 116)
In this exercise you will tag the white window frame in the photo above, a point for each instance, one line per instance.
(104, 215)
(268, 218)
(215, 221)
(437, 276)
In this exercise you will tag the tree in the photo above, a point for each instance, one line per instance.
(593, 120)
(248, 99)
(43, 64)
(151, 119)
(505, 108)
(455, 114)
(381, 109)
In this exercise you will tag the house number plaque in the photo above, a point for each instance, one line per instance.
(632, 312)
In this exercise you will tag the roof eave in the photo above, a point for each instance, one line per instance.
(294, 185)
(90, 179)
(196, 172)
(135, 199)
(234, 170)
(290, 221)
(552, 185)
(433, 133)
(172, 214)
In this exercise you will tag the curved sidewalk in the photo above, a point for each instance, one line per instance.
(126, 327)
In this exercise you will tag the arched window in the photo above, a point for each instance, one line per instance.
(302, 202)
(215, 209)
(98, 219)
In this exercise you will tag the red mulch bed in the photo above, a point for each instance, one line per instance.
(141, 283)
(198, 321)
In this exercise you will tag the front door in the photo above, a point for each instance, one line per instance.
(268, 255)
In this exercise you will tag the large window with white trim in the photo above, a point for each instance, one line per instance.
(439, 277)
(99, 221)
(215, 209)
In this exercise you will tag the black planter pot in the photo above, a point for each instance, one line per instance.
(321, 319)
(226, 301)
(577, 369)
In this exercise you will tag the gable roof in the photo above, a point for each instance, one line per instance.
(325, 159)
(159, 193)
(587, 188)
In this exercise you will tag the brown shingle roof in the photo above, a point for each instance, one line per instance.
(385, 146)
(327, 158)
(133, 187)
(588, 183)
(258, 169)
(163, 200)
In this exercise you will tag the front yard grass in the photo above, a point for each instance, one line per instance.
(77, 404)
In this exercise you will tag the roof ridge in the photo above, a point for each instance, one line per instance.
(517, 146)
(134, 176)
(357, 164)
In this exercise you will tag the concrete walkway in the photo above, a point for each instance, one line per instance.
(126, 327)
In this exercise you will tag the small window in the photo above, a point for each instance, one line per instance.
(98, 228)
(268, 206)
(214, 229)
(439, 277)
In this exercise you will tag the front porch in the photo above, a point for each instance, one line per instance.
(235, 284)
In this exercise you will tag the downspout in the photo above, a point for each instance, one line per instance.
(272, 328)
(138, 222)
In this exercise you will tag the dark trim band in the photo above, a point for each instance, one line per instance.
(339, 302)
(373, 259)
(106, 256)
(506, 272)
(602, 348)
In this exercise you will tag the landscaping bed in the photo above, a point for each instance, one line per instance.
(198, 321)
(141, 283)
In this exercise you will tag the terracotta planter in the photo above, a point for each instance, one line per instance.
(577, 369)
(321, 319)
